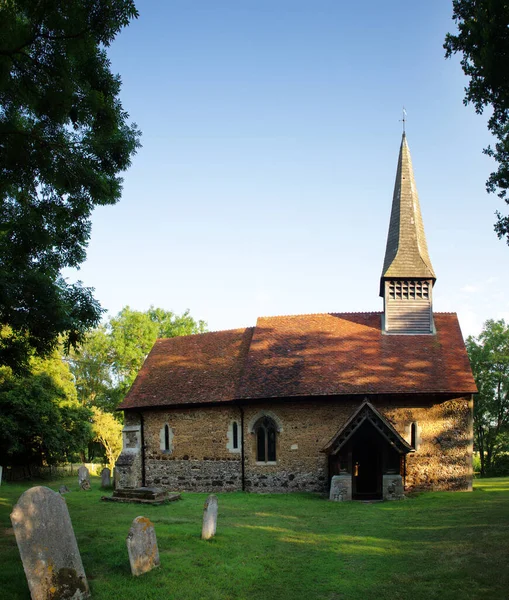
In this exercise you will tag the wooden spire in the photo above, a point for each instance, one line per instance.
(406, 254)
(407, 265)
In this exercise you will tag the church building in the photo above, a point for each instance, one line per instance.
(376, 403)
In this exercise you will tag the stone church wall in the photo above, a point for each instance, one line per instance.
(199, 458)
(200, 455)
(443, 459)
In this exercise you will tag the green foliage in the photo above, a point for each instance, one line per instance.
(64, 140)
(489, 357)
(132, 335)
(91, 366)
(40, 417)
(106, 364)
(483, 40)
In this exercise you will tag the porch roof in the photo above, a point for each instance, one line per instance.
(367, 412)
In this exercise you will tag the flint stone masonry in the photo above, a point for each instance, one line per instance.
(83, 475)
(201, 461)
(105, 478)
(195, 475)
(208, 529)
(142, 546)
(341, 488)
(48, 547)
(392, 487)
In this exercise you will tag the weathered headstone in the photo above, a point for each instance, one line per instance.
(63, 489)
(208, 529)
(83, 475)
(341, 488)
(392, 487)
(1, 469)
(105, 478)
(48, 547)
(85, 485)
(142, 546)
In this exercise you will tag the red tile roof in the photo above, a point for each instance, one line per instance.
(303, 355)
(191, 369)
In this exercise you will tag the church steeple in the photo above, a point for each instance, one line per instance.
(407, 276)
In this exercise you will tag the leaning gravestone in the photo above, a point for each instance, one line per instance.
(208, 529)
(142, 546)
(48, 547)
(105, 478)
(83, 478)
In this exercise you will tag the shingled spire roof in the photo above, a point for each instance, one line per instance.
(406, 255)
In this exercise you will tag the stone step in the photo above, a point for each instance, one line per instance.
(170, 497)
(142, 493)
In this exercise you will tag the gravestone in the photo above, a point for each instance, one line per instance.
(105, 478)
(1, 469)
(208, 529)
(83, 476)
(48, 547)
(341, 488)
(63, 489)
(142, 546)
(392, 487)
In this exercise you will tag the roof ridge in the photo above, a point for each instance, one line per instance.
(365, 312)
(188, 335)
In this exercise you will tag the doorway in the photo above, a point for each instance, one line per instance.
(367, 463)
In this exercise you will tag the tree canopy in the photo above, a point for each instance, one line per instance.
(483, 40)
(106, 364)
(64, 142)
(489, 357)
(40, 417)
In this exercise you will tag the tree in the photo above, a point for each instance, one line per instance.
(108, 431)
(91, 367)
(133, 334)
(40, 417)
(172, 325)
(483, 39)
(64, 140)
(489, 357)
(107, 363)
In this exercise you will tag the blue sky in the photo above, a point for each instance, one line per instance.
(270, 142)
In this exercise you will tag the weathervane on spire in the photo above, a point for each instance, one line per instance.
(403, 120)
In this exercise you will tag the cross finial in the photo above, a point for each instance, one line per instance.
(403, 120)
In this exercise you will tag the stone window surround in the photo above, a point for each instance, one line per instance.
(162, 439)
(131, 429)
(408, 434)
(266, 430)
(229, 435)
(251, 428)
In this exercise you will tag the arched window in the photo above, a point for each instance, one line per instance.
(235, 435)
(166, 437)
(413, 435)
(265, 440)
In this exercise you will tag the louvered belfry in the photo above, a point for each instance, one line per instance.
(408, 277)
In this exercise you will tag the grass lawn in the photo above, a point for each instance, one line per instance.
(294, 546)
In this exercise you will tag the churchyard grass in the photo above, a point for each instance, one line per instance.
(296, 546)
